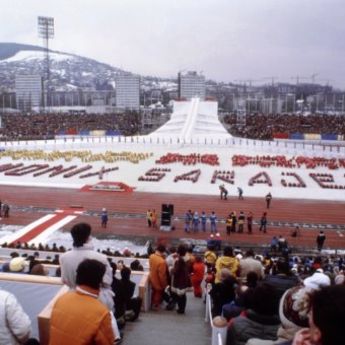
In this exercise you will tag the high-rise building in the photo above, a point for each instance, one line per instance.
(28, 91)
(128, 91)
(191, 84)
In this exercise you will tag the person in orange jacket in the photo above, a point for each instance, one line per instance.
(158, 275)
(197, 275)
(78, 317)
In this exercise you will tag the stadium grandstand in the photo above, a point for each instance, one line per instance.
(206, 258)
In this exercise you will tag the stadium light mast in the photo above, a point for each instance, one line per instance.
(46, 31)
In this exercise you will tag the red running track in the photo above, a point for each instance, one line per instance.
(284, 210)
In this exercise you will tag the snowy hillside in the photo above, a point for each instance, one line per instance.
(66, 69)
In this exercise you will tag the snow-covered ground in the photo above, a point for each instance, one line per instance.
(64, 239)
(129, 173)
(37, 55)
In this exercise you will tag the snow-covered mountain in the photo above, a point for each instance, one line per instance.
(66, 69)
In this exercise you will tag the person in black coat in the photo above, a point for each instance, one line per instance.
(180, 281)
(223, 292)
(132, 304)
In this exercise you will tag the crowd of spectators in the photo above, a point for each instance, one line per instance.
(46, 126)
(265, 299)
(263, 126)
(257, 126)
(126, 252)
(262, 296)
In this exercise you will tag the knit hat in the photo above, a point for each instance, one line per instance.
(17, 264)
(339, 279)
(294, 307)
(317, 280)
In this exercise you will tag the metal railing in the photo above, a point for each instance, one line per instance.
(218, 333)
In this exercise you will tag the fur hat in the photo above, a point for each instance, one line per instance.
(294, 307)
(39, 270)
(219, 321)
(17, 264)
(339, 279)
(317, 280)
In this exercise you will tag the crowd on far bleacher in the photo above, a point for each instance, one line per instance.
(47, 125)
(258, 126)
(126, 252)
(263, 126)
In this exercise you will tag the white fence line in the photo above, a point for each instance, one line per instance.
(257, 146)
(218, 333)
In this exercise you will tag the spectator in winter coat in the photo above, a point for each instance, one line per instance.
(180, 280)
(210, 255)
(131, 303)
(78, 317)
(249, 264)
(223, 292)
(227, 260)
(326, 318)
(15, 325)
(158, 276)
(282, 279)
(260, 321)
(197, 275)
(69, 262)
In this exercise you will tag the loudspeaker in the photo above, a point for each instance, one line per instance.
(168, 208)
(166, 221)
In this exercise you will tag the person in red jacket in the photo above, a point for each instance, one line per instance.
(197, 276)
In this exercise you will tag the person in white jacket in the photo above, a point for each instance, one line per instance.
(15, 324)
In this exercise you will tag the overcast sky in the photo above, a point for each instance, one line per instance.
(226, 39)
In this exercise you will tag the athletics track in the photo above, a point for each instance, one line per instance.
(127, 214)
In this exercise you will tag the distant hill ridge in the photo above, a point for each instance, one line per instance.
(78, 71)
(9, 49)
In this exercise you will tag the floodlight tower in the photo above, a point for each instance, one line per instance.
(46, 31)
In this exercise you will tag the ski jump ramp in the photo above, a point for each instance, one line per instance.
(192, 120)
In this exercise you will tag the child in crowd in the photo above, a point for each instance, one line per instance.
(197, 276)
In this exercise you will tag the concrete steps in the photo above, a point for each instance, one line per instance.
(169, 328)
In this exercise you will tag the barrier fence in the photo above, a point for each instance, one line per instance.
(218, 333)
(334, 148)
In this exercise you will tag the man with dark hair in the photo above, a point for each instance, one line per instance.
(158, 276)
(82, 249)
(78, 317)
(132, 304)
(260, 321)
(281, 279)
(326, 318)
